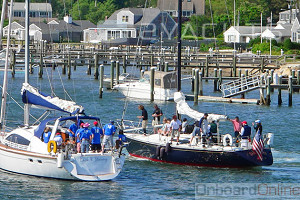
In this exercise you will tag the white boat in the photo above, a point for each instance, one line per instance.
(123, 78)
(23, 152)
(164, 86)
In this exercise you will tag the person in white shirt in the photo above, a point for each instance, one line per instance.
(175, 128)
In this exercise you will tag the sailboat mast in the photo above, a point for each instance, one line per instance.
(2, 20)
(26, 106)
(179, 46)
(4, 87)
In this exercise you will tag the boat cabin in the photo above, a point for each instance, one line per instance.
(166, 80)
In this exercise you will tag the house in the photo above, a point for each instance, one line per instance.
(54, 31)
(295, 30)
(144, 23)
(278, 33)
(189, 7)
(40, 10)
(242, 34)
(288, 16)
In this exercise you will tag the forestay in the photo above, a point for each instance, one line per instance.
(184, 109)
(31, 95)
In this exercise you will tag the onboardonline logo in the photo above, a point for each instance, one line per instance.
(247, 190)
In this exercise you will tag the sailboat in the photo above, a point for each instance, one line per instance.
(222, 153)
(23, 152)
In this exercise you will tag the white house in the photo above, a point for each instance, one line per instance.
(279, 33)
(295, 31)
(17, 31)
(145, 23)
(242, 34)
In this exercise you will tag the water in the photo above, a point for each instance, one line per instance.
(142, 179)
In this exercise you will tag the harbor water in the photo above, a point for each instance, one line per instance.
(143, 179)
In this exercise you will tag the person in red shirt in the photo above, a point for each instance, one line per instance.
(237, 125)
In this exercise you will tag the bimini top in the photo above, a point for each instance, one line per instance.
(184, 109)
(31, 95)
(167, 80)
(40, 129)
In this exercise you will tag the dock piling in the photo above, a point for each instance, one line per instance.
(101, 81)
(196, 86)
(279, 91)
(290, 90)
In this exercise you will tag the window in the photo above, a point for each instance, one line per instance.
(125, 18)
(231, 38)
(14, 138)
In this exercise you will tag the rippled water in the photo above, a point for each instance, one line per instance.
(142, 179)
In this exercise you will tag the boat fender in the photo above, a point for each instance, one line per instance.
(162, 152)
(225, 140)
(60, 159)
(168, 147)
(158, 151)
(52, 146)
(270, 137)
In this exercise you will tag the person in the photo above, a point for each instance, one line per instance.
(109, 131)
(85, 136)
(213, 129)
(122, 137)
(203, 125)
(57, 138)
(175, 128)
(97, 133)
(195, 133)
(245, 131)
(184, 124)
(72, 131)
(46, 135)
(157, 113)
(258, 127)
(144, 118)
(237, 125)
(78, 145)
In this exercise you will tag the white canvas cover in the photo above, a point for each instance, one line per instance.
(184, 109)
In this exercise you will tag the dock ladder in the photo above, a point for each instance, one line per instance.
(242, 85)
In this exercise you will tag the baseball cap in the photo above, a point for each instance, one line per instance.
(244, 122)
(111, 121)
(95, 123)
(257, 121)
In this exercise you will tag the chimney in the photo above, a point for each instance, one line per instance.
(68, 19)
(105, 17)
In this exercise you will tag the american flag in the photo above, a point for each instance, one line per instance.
(258, 146)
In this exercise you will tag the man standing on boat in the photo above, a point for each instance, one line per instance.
(109, 131)
(144, 118)
(97, 133)
(203, 124)
(237, 126)
(175, 128)
(157, 113)
(85, 135)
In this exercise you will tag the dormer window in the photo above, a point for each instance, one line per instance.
(125, 18)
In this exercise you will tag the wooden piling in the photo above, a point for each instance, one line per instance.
(262, 65)
(290, 90)
(234, 65)
(101, 81)
(112, 73)
(279, 91)
(272, 79)
(166, 69)
(13, 64)
(196, 86)
(268, 95)
(200, 84)
(96, 74)
(220, 79)
(64, 66)
(89, 70)
(193, 79)
(293, 73)
(216, 79)
(117, 71)
(124, 64)
(69, 66)
(246, 72)
(152, 84)
(206, 66)
(41, 64)
(240, 73)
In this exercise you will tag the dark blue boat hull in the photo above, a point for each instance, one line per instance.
(243, 158)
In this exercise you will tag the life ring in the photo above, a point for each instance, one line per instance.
(52, 146)
(225, 138)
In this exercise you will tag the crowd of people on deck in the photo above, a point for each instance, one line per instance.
(85, 139)
(201, 129)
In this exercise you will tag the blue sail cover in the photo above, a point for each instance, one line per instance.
(31, 95)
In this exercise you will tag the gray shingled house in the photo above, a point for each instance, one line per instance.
(40, 10)
(189, 7)
(143, 23)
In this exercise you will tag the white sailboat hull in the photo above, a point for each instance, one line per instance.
(106, 167)
(141, 90)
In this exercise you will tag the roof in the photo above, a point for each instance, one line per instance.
(288, 11)
(245, 30)
(33, 6)
(147, 16)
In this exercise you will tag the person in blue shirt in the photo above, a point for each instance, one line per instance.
(97, 133)
(46, 135)
(122, 137)
(72, 131)
(109, 131)
(85, 136)
(245, 131)
(78, 137)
